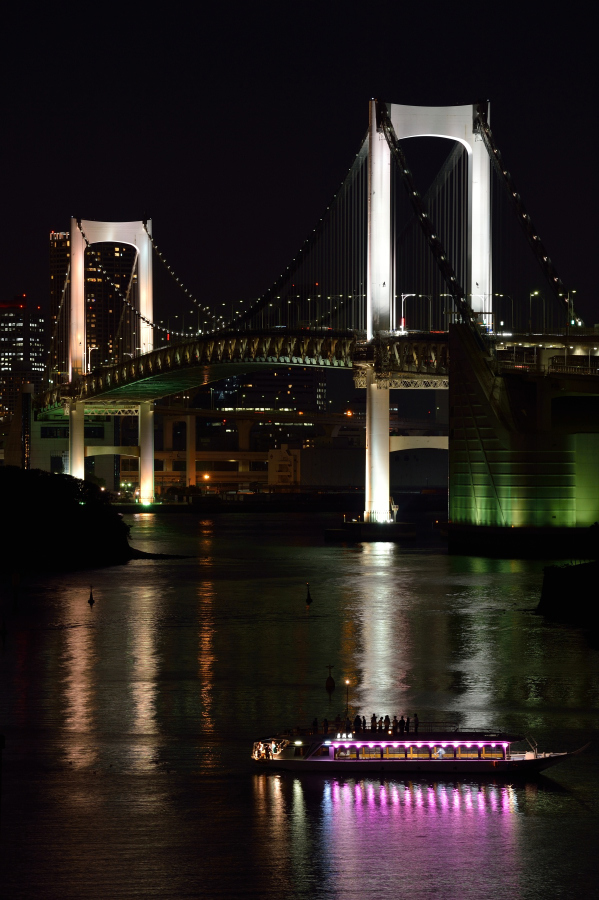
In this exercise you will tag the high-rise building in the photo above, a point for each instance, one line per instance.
(109, 325)
(22, 352)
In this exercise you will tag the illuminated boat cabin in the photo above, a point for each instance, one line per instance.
(342, 748)
(348, 747)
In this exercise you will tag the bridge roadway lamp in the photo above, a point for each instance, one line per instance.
(511, 299)
(89, 358)
(447, 312)
(480, 316)
(530, 296)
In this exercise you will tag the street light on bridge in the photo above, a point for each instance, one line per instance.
(530, 296)
(511, 299)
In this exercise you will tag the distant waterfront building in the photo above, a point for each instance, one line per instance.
(110, 329)
(22, 351)
(295, 388)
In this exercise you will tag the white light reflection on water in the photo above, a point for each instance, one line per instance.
(384, 628)
(143, 678)
(80, 660)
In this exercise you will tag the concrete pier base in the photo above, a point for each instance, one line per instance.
(77, 440)
(146, 453)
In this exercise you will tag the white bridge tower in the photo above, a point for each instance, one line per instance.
(135, 234)
(455, 123)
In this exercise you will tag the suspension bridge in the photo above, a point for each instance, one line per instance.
(399, 286)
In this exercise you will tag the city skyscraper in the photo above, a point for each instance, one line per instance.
(22, 351)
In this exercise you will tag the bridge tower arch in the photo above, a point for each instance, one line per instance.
(455, 123)
(132, 233)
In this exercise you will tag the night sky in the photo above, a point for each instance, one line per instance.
(233, 126)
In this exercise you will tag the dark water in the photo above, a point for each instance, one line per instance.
(129, 726)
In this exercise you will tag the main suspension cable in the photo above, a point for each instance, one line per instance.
(58, 317)
(482, 128)
(120, 294)
(308, 244)
(186, 291)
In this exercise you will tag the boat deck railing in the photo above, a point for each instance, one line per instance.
(423, 728)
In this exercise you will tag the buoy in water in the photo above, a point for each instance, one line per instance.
(330, 682)
(91, 597)
(308, 598)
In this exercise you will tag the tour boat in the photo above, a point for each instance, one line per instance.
(425, 752)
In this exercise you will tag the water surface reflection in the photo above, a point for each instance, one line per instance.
(377, 837)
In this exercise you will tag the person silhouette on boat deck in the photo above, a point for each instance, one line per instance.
(407, 725)
(373, 722)
(387, 723)
(402, 725)
(315, 726)
(363, 723)
(325, 726)
(394, 725)
(357, 724)
(416, 720)
(267, 751)
(347, 726)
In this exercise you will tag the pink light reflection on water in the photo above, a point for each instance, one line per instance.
(451, 834)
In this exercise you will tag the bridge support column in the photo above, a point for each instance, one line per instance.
(379, 317)
(77, 440)
(190, 429)
(480, 285)
(377, 451)
(146, 452)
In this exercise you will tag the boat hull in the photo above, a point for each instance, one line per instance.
(418, 767)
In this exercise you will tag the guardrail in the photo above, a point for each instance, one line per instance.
(535, 369)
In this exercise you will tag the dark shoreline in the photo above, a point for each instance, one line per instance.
(568, 595)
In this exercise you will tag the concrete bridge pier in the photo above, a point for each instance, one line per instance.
(377, 505)
(77, 440)
(146, 452)
(190, 431)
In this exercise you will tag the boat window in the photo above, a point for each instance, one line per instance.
(467, 752)
(346, 752)
(492, 753)
(371, 752)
